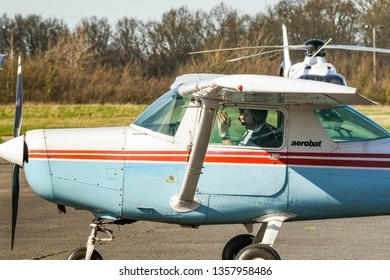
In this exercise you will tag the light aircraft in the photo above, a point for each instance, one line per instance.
(172, 166)
(313, 67)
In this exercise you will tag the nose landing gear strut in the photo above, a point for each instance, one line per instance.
(88, 252)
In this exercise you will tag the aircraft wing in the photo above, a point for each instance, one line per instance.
(261, 89)
(190, 78)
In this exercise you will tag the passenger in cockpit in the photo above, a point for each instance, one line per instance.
(257, 132)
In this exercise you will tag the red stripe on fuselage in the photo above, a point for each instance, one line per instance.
(232, 157)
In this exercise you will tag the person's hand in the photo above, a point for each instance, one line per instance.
(224, 123)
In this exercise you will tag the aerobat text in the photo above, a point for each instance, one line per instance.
(309, 143)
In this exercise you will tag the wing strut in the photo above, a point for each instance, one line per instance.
(186, 200)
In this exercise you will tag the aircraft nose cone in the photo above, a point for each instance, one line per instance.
(13, 151)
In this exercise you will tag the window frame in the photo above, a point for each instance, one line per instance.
(165, 115)
(282, 125)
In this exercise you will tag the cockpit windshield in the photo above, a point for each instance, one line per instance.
(165, 114)
(345, 124)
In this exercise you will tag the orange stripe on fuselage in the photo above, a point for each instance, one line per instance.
(232, 157)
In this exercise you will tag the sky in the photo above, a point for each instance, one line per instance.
(71, 11)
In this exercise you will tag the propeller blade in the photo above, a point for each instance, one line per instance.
(15, 171)
(15, 201)
(19, 102)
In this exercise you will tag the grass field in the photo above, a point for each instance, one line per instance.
(379, 113)
(65, 116)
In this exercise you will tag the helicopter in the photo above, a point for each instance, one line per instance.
(313, 67)
(171, 164)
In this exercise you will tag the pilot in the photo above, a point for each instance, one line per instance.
(257, 132)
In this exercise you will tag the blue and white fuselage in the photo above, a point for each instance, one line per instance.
(173, 163)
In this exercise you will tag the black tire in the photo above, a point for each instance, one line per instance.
(258, 252)
(79, 254)
(234, 246)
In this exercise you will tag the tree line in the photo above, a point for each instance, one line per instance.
(135, 61)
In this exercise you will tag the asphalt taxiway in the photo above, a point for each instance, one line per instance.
(44, 234)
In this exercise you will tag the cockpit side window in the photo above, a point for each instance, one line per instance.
(165, 114)
(345, 124)
(248, 127)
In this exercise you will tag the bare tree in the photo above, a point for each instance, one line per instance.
(33, 34)
(322, 19)
(96, 32)
(129, 42)
(170, 40)
(375, 15)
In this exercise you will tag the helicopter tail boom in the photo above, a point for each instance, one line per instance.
(286, 54)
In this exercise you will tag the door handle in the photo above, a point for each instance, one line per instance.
(274, 156)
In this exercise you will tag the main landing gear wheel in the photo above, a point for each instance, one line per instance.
(234, 246)
(258, 252)
(79, 254)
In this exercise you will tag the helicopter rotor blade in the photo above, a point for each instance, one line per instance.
(292, 47)
(253, 55)
(296, 48)
(219, 50)
(357, 48)
(15, 169)
(234, 49)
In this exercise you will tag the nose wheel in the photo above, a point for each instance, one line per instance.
(80, 253)
(88, 252)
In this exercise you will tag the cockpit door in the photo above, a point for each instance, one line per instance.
(246, 170)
